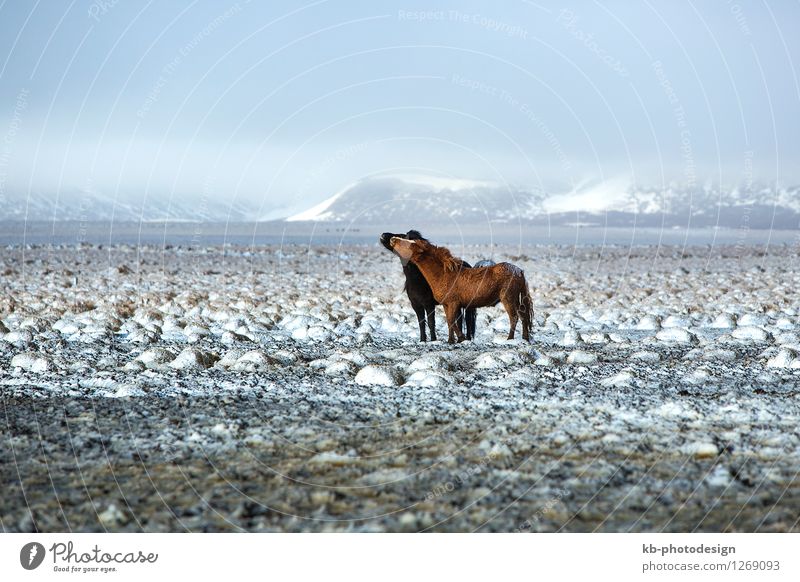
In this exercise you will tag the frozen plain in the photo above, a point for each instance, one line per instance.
(284, 389)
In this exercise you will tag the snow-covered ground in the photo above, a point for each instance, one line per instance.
(285, 389)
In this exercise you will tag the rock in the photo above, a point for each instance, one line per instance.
(229, 358)
(231, 337)
(428, 379)
(35, 324)
(154, 358)
(391, 325)
(284, 357)
(595, 337)
(407, 521)
(754, 334)
(646, 356)
(134, 366)
(648, 322)
(787, 338)
(253, 361)
(718, 355)
(676, 321)
(676, 335)
(193, 359)
(429, 362)
(752, 320)
(723, 321)
(494, 360)
(571, 338)
(333, 459)
(196, 330)
(30, 362)
(112, 517)
(340, 368)
(719, 477)
(22, 336)
(699, 376)
(317, 333)
(622, 379)
(378, 375)
(142, 336)
(26, 523)
(581, 357)
(701, 449)
(66, 327)
(783, 359)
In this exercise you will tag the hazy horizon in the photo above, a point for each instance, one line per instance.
(284, 105)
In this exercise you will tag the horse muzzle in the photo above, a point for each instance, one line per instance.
(386, 239)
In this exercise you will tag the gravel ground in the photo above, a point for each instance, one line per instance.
(269, 389)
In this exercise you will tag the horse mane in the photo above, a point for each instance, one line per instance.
(442, 254)
(415, 235)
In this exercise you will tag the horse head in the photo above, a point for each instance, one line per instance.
(407, 249)
(410, 235)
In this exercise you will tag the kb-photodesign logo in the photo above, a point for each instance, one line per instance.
(31, 555)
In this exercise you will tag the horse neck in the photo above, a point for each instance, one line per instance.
(432, 269)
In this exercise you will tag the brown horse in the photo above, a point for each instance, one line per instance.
(456, 287)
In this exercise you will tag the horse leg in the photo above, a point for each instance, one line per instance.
(526, 316)
(513, 315)
(420, 311)
(432, 321)
(470, 317)
(451, 311)
(460, 320)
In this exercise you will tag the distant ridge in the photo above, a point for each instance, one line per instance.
(420, 200)
(613, 202)
(94, 207)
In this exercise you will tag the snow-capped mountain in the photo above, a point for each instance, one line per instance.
(419, 200)
(612, 202)
(433, 199)
(94, 207)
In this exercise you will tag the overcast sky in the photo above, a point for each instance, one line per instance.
(285, 102)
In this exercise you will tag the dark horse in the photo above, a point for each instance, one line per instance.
(421, 296)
